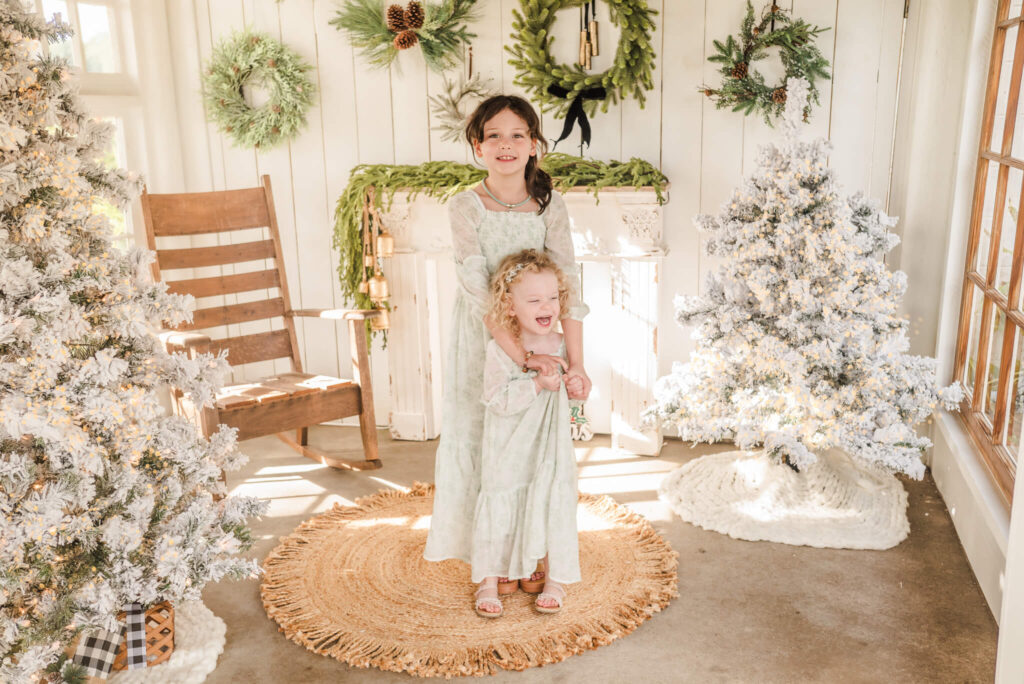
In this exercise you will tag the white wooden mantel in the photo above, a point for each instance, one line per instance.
(618, 241)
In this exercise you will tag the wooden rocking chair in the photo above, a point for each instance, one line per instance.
(278, 404)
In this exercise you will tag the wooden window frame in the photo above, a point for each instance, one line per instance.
(989, 436)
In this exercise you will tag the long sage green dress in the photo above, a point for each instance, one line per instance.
(481, 239)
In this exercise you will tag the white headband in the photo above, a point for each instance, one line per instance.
(511, 275)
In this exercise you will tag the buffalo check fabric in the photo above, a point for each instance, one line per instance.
(135, 623)
(96, 651)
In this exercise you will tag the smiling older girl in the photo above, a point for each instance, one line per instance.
(513, 209)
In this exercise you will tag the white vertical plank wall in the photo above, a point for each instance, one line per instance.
(368, 115)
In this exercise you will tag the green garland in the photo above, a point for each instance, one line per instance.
(743, 89)
(257, 59)
(629, 76)
(442, 179)
(439, 30)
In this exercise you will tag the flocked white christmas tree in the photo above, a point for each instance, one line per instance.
(799, 345)
(104, 498)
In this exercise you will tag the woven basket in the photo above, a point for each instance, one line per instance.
(159, 637)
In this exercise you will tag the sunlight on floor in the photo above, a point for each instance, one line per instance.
(299, 489)
(633, 480)
(389, 483)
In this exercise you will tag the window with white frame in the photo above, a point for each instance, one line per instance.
(100, 52)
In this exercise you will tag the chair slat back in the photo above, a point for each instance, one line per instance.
(177, 217)
(266, 346)
(231, 284)
(194, 213)
(223, 255)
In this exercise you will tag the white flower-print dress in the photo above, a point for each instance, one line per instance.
(481, 239)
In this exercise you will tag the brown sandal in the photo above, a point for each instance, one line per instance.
(531, 585)
(507, 586)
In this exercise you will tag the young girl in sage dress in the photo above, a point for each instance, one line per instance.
(512, 209)
(526, 509)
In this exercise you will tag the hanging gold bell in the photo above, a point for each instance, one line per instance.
(386, 244)
(379, 288)
(364, 287)
(368, 260)
(380, 321)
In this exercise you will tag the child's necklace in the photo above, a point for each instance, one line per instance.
(507, 205)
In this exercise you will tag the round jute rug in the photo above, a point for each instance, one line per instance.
(352, 584)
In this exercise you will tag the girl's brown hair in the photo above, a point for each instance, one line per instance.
(511, 269)
(538, 182)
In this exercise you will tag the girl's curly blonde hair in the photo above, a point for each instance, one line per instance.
(508, 273)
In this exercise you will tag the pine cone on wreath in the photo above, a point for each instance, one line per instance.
(414, 15)
(406, 39)
(396, 18)
(739, 71)
(779, 96)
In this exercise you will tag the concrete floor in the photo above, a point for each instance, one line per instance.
(747, 611)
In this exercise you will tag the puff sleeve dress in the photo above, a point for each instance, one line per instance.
(480, 240)
(526, 508)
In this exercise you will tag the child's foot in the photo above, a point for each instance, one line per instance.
(536, 581)
(550, 600)
(507, 586)
(488, 604)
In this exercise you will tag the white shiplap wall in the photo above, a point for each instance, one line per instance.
(368, 115)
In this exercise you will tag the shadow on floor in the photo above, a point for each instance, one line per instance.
(747, 611)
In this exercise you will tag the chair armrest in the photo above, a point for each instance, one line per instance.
(174, 340)
(346, 314)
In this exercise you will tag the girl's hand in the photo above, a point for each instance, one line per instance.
(548, 382)
(573, 385)
(572, 375)
(546, 364)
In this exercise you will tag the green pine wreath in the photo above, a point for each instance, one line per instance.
(629, 76)
(743, 89)
(256, 59)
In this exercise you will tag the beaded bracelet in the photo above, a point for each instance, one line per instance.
(525, 360)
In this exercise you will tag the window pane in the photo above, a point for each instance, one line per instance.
(995, 350)
(985, 238)
(972, 340)
(63, 48)
(1008, 232)
(117, 217)
(97, 40)
(1014, 9)
(1016, 399)
(1003, 94)
(1017, 148)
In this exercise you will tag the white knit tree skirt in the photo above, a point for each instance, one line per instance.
(831, 504)
(198, 641)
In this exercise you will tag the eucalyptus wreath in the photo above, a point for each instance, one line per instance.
(538, 73)
(256, 59)
(439, 30)
(451, 108)
(743, 88)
